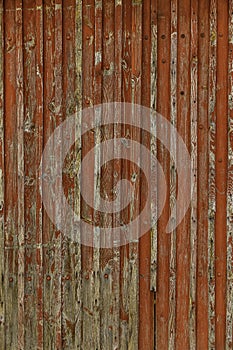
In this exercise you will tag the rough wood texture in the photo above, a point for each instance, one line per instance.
(163, 107)
(193, 116)
(162, 291)
(229, 315)
(212, 185)
(183, 248)
(202, 180)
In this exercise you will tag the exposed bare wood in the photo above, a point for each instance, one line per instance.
(212, 185)
(160, 291)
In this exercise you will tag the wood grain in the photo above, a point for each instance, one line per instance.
(161, 291)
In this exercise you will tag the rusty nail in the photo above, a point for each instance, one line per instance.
(29, 278)
(127, 36)
(11, 279)
(87, 101)
(48, 278)
(163, 36)
(107, 67)
(87, 277)
(107, 36)
(49, 37)
(68, 36)
(219, 274)
(182, 36)
(67, 277)
(106, 275)
(163, 60)
(9, 38)
(30, 38)
(88, 37)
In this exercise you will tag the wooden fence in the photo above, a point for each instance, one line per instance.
(162, 291)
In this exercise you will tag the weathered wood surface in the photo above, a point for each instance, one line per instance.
(162, 291)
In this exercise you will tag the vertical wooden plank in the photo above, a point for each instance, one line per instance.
(134, 206)
(193, 117)
(221, 174)
(173, 183)
(163, 107)
(153, 104)
(183, 128)
(33, 122)
(58, 117)
(11, 185)
(2, 202)
(49, 327)
(146, 296)
(88, 141)
(106, 181)
(30, 166)
(212, 182)
(38, 220)
(126, 97)
(52, 118)
(20, 167)
(97, 99)
(202, 184)
(78, 95)
(229, 298)
(117, 165)
(70, 246)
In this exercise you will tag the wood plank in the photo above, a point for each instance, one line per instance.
(229, 297)
(153, 104)
(117, 166)
(88, 142)
(193, 117)
(133, 173)
(39, 114)
(20, 168)
(125, 97)
(107, 326)
(52, 118)
(221, 174)
(97, 80)
(212, 182)
(33, 133)
(173, 180)
(78, 95)
(183, 128)
(146, 296)
(163, 108)
(70, 246)
(202, 180)
(11, 185)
